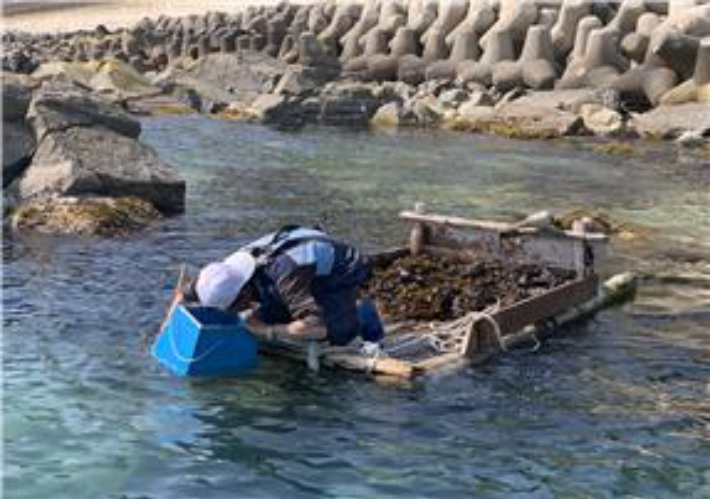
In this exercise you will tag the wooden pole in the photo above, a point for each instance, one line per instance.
(418, 236)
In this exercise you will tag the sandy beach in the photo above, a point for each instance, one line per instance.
(61, 16)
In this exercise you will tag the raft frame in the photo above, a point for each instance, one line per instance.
(482, 335)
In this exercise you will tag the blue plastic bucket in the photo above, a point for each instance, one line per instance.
(203, 341)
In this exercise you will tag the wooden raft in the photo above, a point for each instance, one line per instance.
(415, 349)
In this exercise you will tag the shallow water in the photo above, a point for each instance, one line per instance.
(618, 407)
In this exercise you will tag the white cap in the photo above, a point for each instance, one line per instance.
(219, 283)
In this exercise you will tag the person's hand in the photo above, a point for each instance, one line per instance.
(257, 327)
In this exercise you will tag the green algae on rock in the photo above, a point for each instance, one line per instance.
(87, 216)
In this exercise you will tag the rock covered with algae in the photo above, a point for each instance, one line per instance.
(86, 216)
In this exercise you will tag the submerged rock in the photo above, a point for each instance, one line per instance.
(98, 161)
(86, 216)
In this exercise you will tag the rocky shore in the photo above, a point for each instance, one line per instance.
(519, 68)
(72, 162)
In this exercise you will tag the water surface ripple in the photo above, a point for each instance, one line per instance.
(618, 407)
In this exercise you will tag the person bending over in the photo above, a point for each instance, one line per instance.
(298, 284)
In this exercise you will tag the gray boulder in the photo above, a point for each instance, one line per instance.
(348, 104)
(268, 107)
(53, 111)
(245, 76)
(18, 146)
(302, 80)
(15, 100)
(669, 122)
(97, 161)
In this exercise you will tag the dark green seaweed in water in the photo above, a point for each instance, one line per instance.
(428, 287)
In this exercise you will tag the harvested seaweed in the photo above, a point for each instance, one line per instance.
(427, 287)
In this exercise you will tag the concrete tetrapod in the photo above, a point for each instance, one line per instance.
(451, 13)
(499, 48)
(375, 43)
(514, 18)
(565, 29)
(352, 40)
(422, 14)
(697, 88)
(601, 64)
(479, 18)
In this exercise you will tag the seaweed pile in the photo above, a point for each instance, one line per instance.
(434, 288)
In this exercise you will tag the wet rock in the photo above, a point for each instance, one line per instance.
(228, 78)
(76, 72)
(538, 115)
(268, 108)
(113, 79)
(388, 115)
(694, 138)
(19, 61)
(427, 110)
(601, 222)
(16, 97)
(18, 146)
(453, 97)
(481, 98)
(669, 122)
(53, 111)
(302, 80)
(159, 105)
(601, 120)
(471, 117)
(348, 104)
(97, 161)
(85, 216)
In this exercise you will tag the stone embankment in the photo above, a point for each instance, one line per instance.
(526, 68)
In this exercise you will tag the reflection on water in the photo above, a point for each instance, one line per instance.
(617, 407)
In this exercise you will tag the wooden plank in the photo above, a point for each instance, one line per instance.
(615, 291)
(347, 358)
(503, 228)
(514, 318)
(438, 362)
(459, 222)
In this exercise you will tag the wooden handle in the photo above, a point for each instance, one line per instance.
(177, 296)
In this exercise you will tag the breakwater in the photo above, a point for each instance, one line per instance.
(633, 67)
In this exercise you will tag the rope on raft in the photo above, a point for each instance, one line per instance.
(445, 337)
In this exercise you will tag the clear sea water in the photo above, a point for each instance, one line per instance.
(618, 407)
